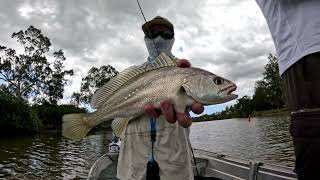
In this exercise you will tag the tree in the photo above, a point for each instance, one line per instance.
(272, 81)
(30, 74)
(259, 99)
(95, 79)
(244, 105)
(17, 117)
(57, 81)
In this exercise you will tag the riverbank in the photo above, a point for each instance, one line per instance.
(224, 116)
(201, 119)
(271, 112)
(20, 118)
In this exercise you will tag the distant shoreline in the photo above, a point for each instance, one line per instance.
(271, 112)
(265, 113)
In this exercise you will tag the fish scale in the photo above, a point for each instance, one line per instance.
(126, 95)
(152, 88)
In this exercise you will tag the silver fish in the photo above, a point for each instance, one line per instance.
(127, 93)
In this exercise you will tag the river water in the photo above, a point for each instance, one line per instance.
(262, 139)
(50, 156)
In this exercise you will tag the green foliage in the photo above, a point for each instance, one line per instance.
(95, 79)
(272, 81)
(244, 106)
(17, 117)
(259, 99)
(51, 114)
(272, 112)
(30, 74)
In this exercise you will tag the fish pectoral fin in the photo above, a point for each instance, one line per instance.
(182, 100)
(185, 89)
(76, 126)
(119, 124)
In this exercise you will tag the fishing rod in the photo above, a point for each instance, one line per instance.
(148, 28)
(152, 165)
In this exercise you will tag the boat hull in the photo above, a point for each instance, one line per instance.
(210, 165)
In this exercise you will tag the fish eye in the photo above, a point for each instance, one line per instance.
(218, 81)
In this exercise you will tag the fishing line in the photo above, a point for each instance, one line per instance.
(148, 27)
(152, 172)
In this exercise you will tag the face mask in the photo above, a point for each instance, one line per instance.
(162, 45)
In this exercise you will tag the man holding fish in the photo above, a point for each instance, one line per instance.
(164, 88)
(172, 149)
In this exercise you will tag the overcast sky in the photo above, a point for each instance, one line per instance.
(227, 37)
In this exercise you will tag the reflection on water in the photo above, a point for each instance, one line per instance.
(262, 139)
(50, 156)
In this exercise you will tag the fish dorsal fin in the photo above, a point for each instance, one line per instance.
(106, 91)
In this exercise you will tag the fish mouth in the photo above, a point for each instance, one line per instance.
(228, 90)
(231, 89)
(227, 95)
(224, 95)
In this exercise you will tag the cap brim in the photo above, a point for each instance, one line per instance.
(157, 22)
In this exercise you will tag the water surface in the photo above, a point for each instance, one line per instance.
(263, 139)
(50, 156)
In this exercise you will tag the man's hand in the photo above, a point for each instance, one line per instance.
(168, 111)
(167, 108)
(183, 63)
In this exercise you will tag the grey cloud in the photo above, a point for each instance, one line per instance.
(100, 32)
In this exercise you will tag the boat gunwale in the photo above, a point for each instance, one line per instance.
(104, 160)
(211, 160)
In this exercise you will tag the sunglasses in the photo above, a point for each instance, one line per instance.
(163, 34)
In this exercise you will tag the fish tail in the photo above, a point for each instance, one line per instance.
(76, 126)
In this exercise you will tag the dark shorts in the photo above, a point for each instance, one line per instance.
(302, 92)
